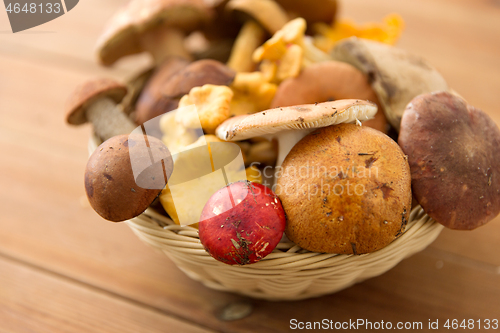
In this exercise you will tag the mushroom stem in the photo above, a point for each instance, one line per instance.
(286, 141)
(249, 39)
(163, 42)
(311, 53)
(108, 119)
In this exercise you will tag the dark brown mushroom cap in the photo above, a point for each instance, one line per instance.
(197, 74)
(311, 10)
(454, 154)
(345, 189)
(152, 101)
(123, 32)
(112, 189)
(88, 93)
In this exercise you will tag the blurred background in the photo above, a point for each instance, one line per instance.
(63, 268)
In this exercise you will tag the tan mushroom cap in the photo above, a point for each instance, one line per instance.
(125, 29)
(299, 117)
(88, 93)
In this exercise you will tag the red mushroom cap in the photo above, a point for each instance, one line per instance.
(242, 223)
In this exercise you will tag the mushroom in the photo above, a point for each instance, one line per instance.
(125, 174)
(454, 153)
(97, 102)
(345, 189)
(174, 79)
(152, 102)
(197, 74)
(135, 86)
(154, 26)
(396, 75)
(212, 104)
(266, 12)
(312, 10)
(290, 49)
(242, 223)
(249, 39)
(328, 81)
(290, 124)
(252, 93)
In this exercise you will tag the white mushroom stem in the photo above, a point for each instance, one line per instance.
(163, 42)
(108, 119)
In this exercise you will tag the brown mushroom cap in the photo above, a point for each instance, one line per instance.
(88, 93)
(329, 81)
(152, 101)
(110, 184)
(454, 155)
(345, 189)
(197, 74)
(296, 117)
(126, 28)
(396, 75)
(311, 10)
(267, 13)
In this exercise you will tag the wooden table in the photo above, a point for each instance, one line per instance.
(63, 269)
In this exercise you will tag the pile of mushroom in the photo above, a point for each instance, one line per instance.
(257, 91)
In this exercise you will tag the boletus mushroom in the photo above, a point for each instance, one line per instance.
(329, 81)
(242, 223)
(96, 102)
(396, 75)
(345, 189)
(125, 174)
(454, 153)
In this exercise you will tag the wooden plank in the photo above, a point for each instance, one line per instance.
(35, 301)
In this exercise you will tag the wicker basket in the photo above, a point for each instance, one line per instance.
(289, 272)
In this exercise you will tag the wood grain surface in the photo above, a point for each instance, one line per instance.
(63, 269)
